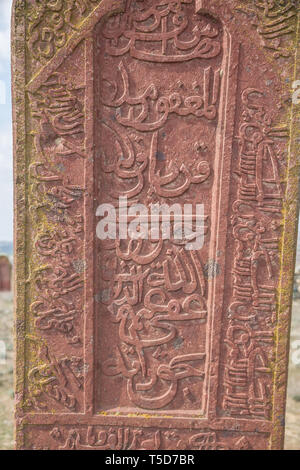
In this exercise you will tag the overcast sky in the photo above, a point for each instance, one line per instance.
(6, 174)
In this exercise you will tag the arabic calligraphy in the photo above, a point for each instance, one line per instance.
(145, 116)
(55, 379)
(143, 371)
(138, 438)
(153, 292)
(166, 25)
(256, 231)
(132, 165)
(276, 22)
(164, 185)
(51, 23)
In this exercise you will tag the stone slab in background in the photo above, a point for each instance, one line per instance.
(148, 345)
(5, 274)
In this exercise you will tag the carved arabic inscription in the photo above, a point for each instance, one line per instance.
(156, 143)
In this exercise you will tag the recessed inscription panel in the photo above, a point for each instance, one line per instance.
(159, 76)
(135, 438)
(251, 295)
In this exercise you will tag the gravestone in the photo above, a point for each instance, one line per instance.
(148, 343)
(5, 274)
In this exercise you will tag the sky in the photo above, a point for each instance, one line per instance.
(6, 165)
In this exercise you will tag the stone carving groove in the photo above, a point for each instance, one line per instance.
(276, 21)
(50, 22)
(141, 439)
(163, 23)
(56, 275)
(256, 229)
(154, 289)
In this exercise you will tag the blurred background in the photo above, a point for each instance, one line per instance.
(6, 266)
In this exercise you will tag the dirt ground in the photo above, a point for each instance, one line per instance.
(292, 430)
(6, 371)
(292, 441)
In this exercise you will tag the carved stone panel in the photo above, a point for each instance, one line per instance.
(182, 109)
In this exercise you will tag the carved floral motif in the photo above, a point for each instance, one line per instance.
(51, 22)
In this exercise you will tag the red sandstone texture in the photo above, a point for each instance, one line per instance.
(131, 345)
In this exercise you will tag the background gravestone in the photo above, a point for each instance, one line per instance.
(5, 274)
(146, 345)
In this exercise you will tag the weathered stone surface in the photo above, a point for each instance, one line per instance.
(145, 345)
(5, 274)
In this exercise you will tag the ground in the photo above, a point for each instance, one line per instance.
(292, 441)
(292, 431)
(6, 372)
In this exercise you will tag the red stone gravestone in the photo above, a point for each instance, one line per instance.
(147, 340)
(5, 274)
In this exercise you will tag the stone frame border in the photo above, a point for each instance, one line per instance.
(288, 242)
